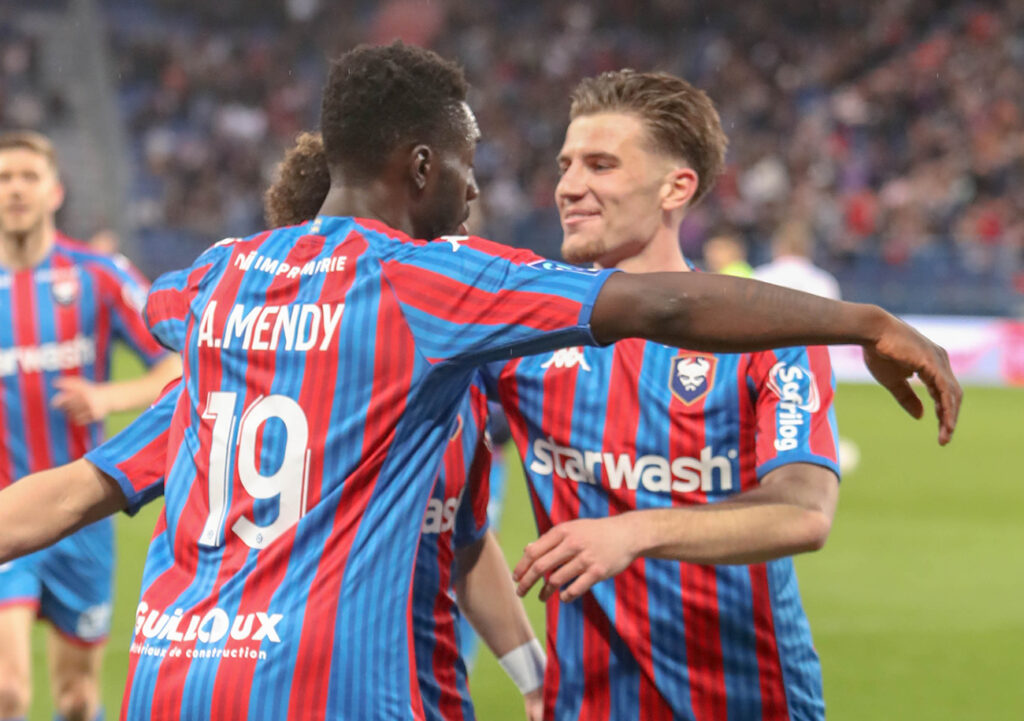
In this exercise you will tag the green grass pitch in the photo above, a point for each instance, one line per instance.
(916, 603)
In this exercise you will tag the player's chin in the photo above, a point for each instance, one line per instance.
(579, 248)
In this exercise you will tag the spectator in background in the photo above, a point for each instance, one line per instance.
(791, 265)
(726, 253)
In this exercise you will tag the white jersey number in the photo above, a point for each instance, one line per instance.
(287, 484)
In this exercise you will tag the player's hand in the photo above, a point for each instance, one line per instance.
(534, 702)
(82, 401)
(576, 554)
(901, 352)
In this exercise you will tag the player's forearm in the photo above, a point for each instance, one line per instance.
(723, 314)
(40, 509)
(140, 392)
(486, 596)
(790, 512)
(736, 535)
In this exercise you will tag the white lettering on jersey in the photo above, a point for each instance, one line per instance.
(653, 473)
(253, 260)
(299, 327)
(53, 356)
(567, 358)
(797, 390)
(210, 627)
(440, 515)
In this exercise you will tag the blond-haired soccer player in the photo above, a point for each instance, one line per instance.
(62, 306)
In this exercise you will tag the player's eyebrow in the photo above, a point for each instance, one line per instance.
(588, 157)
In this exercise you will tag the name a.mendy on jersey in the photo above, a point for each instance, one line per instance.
(299, 327)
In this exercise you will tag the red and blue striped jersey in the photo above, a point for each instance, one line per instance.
(60, 318)
(640, 425)
(456, 516)
(324, 366)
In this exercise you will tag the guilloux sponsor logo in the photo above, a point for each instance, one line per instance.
(797, 390)
(210, 627)
(620, 470)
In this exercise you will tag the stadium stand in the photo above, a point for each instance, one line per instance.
(895, 129)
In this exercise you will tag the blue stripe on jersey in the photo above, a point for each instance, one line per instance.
(14, 428)
(801, 668)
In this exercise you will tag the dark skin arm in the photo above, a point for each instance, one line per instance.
(723, 314)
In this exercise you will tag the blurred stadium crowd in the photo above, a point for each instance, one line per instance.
(893, 129)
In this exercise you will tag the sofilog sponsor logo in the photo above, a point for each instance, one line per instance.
(797, 390)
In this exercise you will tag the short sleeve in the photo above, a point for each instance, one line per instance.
(126, 296)
(137, 456)
(796, 422)
(167, 306)
(471, 518)
(472, 300)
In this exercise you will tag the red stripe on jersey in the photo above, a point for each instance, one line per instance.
(33, 385)
(171, 678)
(631, 600)
(106, 288)
(68, 323)
(231, 692)
(131, 317)
(558, 395)
(698, 583)
(447, 298)
(821, 441)
(446, 653)
(596, 703)
(769, 665)
(391, 382)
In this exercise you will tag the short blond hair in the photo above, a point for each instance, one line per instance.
(30, 140)
(681, 118)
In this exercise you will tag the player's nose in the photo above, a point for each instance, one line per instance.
(570, 184)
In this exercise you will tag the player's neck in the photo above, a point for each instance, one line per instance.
(21, 251)
(370, 200)
(661, 255)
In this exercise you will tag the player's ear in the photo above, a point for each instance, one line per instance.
(679, 188)
(56, 197)
(420, 161)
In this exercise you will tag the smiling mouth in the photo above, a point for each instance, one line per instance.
(575, 218)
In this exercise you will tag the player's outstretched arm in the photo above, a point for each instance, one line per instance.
(701, 311)
(790, 512)
(40, 509)
(485, 594)
(86, 402)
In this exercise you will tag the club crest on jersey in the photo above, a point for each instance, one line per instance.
(64, 285)
(692, 376)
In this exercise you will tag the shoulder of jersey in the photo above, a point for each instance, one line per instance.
(82, 253)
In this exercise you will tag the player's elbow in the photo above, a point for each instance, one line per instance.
(813, 530)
